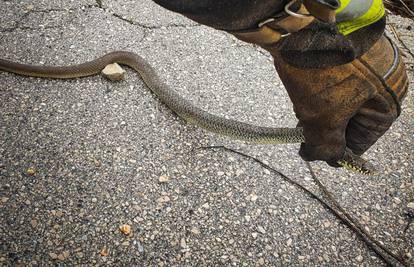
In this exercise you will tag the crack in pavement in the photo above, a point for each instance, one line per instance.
(141, 25)
(17, 24)
(146, 28)
(99, 4)
(25, 28)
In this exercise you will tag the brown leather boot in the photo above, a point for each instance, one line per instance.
(344, 93)
(347, 105)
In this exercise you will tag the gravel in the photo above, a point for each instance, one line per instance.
(80, 158)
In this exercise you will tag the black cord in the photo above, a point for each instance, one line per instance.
(334, 207)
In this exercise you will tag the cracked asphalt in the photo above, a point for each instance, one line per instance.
(79, 158)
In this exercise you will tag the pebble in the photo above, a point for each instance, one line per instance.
(359, 258)
(183, 243)
(164, 179)
(253, 197)
(410, 205)
(195, 231)
(163, 199)
(33, 223)
(289, 242)
(53, 256)
(65, 254)
(125, 229)
(261, 230)
(4, 199)
(97, 163)
(254, 234)
(139, 246)
(104, 252)
(261, 261)
(59, 213)
(365, 218)
(397, 200)
(31, 171)
(114, 72)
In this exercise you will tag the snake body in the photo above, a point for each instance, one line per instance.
(185, 109)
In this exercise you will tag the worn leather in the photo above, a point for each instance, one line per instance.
(345, 105)
(228, 15)
(320, 44)
(376, 115)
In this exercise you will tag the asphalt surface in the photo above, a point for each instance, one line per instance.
(79, 158)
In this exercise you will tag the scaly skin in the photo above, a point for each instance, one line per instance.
(187, 111)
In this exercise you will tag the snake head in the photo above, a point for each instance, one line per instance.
(355, 163)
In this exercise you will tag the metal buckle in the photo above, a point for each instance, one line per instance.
(261, 24)
(294, 14)
(288, 11)
(265, 22)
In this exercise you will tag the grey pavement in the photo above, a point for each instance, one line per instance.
(79, 158)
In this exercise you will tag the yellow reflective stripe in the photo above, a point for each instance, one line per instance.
(375, 13)
(344, 4)
(354, 10)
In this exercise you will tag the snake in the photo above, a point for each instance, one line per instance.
(183, 108)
